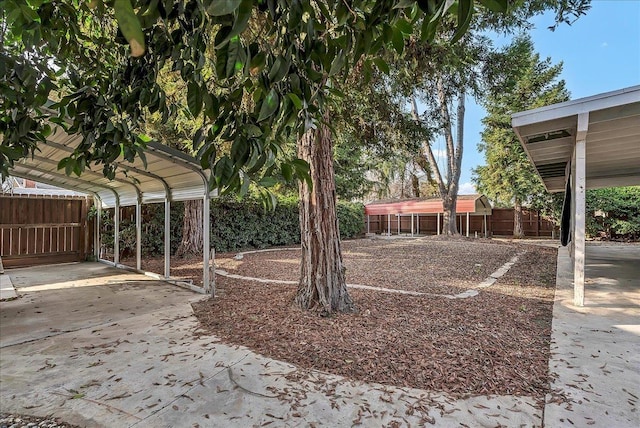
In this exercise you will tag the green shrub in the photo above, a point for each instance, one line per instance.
(235, 225)
(350, 219)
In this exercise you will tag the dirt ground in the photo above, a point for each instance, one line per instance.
(493, 343)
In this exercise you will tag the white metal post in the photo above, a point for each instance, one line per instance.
(398, 224)
(206, 230)
(138, 234)
(116, 233)
(467, 224)
(167, 237)
(417, 224)
(438, 225)
(485, 226)
(368, 224)
(389, 224)
(97, 236)
(579, 192)
(411, 224)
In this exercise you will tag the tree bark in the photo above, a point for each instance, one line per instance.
(448, 189)
(518, 231)
(415, 184)
(192, 233)
(449, 225)
(322, 285)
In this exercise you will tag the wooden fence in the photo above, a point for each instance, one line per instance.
(499, 223)
(40, 230)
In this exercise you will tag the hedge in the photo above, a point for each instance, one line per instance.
(235, 225)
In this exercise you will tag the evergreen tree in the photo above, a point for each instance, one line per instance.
(519, 80)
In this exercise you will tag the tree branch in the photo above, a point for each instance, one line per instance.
(427, 148)
(446, 126)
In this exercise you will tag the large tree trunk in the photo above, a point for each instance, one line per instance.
(448, 190)
(322, 284)
(518, 232)
(449, 226)
(192, 233)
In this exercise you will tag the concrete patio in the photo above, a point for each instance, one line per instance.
(595, 349)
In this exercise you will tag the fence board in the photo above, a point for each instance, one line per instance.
(38, 230)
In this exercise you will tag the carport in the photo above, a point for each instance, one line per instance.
(587, 143)
(466, 206)
(164, 176)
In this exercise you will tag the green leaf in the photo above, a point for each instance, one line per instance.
(239, 151)
(295, 100)
(236, 57)
(465, 13)
(246, 181)
(287, 171)
(499, 6)
(278, 70)
(337, 63)
(382, 65)
(207, 155)
(397, 40)
(258, 62)
(240, 22)
(198, 138)
(404, 26)
(268, 182)
(429, 28)
(130, 26)
(269, 105)
(194, 98)
(222, 7)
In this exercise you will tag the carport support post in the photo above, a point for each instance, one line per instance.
(438, 225)
(398, 224)
(411, 224)
(116, 232)
(206, 231)
(389, 224)
(138, 234)
(96, 231)
(467, 224)
(485, 226)
(368, 224)
(167, 238)
(579, 193)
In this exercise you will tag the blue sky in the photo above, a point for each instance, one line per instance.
(600, 53)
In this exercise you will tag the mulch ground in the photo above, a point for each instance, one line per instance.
(494, 343)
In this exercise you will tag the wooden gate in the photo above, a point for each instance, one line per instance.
(42, 230)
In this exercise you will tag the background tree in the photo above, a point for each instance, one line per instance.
(441, 75)
(519, 80)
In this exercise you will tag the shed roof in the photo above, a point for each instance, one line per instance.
(548, 135)
(473, 204)
(167, 172)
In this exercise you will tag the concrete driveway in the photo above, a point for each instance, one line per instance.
(99, 347)
(595, 349)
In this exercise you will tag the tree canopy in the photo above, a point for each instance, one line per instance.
(519, 80)
(256, 72)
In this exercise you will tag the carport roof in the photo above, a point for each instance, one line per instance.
(168, 172)
(472, 204)
(548, 135)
